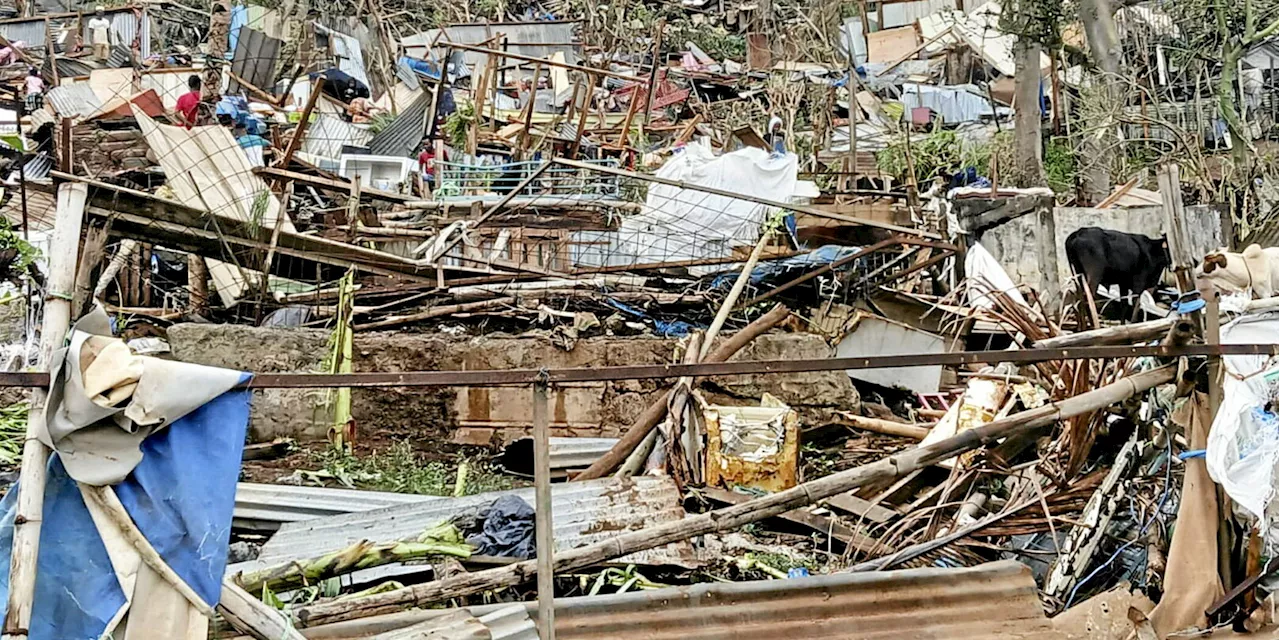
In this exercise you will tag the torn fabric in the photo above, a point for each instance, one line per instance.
(104, 401)
(80, 591)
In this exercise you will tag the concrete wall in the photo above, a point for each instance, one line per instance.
(475, 415)
(1019, 244)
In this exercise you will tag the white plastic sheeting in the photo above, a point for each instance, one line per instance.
(986, 276)
(1244, 444)
(683, 224)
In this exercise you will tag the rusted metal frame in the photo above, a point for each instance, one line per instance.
(520, 377)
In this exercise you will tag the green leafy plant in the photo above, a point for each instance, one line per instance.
(458, 124)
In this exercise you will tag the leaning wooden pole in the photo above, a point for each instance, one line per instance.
(544, 521)
(889, 468)
(652, 415)
(64, 253)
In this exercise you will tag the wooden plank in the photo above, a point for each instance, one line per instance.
(333, 185)
(890, 44)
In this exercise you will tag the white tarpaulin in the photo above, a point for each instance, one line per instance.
(1244, 443)
(985, 276)
(683, 224)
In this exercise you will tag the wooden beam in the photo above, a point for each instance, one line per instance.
(562, 65)
(300, 131)
(329, 184)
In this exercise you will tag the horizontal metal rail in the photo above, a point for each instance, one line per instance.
(520, 377)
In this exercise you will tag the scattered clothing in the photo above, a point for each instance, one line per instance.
(507, 531)
(11, 53)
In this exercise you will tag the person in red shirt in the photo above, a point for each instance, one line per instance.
(189, 102)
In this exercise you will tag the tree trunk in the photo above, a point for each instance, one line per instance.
(1228, 107)
(1028, 146)
(1098, 150)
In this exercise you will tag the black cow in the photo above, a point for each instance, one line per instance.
(1131, 261)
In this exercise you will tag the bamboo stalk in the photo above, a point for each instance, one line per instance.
(888, 468)
(648, 420)
(886, 427)
(250, 616)
(63, 256)
(361, 555)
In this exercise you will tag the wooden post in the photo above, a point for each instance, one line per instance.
(854, 109)
(63, 254)
(544, 524)
(300, 131)
(197, 285)
(1175, 231)
(653, 73)
(582, 114)
(1213, 335)
(528, 112)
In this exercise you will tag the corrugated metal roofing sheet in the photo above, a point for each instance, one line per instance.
(585, 512)
(74, 100)
(402, 135)
(538, 39)
(327, 135)
(30, 31)
(996, 600)
(259, 505)
(41, 209)
(255, 59)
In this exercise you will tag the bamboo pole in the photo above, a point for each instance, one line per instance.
(646, 422)
(653, 72)
(63, 257)
(436, 312)
(730, 300)
(250, 616)
(1136, 332)
(543, 521)
(753, 510)
(886, 427)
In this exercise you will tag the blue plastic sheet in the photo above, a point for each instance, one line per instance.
(239, 19)
(773, 268)
(672, 329)
(181, 496)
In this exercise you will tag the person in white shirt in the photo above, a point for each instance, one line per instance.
(100, 35)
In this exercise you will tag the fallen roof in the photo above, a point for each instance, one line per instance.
(585, 512)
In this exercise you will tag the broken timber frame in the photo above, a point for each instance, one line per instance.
(738, 515)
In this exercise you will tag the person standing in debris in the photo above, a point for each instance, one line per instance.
(189, 102)
(100, 34)
(35, 90)
(427, 164)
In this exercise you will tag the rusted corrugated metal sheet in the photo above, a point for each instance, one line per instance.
(255, 59)
(996, 600)
(41, 209)
(585, 512)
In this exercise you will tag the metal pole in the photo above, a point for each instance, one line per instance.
(542, 508)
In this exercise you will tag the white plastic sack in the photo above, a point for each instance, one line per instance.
(1244, 443)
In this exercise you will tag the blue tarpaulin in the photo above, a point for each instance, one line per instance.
(181, 496)
(773, 268)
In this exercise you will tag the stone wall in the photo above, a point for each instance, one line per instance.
(1021, 244)
(475, 415)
